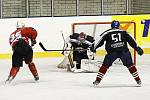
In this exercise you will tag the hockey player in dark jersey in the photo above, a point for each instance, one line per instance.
(80, 43)
(116, 46)
(22, 51)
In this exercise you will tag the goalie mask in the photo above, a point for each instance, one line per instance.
(82, 36)
(20, 24)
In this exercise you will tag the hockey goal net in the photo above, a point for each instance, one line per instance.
(95, 29)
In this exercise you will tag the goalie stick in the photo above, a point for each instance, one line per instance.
(69, 56)
(65, 44)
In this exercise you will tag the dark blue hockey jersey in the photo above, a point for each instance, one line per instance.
(116, 40)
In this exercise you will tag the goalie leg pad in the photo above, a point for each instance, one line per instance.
(90, 65)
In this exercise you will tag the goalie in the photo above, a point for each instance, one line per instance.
(80, 42)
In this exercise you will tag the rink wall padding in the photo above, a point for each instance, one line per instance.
(58, 54)
(35, 55)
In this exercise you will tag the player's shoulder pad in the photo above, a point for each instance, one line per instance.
(74, 35)
(90, 38)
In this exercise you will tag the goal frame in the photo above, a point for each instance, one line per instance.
(122, 22)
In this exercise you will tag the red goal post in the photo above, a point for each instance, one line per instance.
(93, 28)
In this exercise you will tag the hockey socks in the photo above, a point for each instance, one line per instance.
(33, 70)
(132, 69)
(101, 73)
(13, 73)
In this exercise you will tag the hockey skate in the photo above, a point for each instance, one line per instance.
(36, 77)
(9, 79)
(95, 83)
(139, 83)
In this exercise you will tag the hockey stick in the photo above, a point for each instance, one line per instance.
(42, 46)
(69, 56)
(65, 44)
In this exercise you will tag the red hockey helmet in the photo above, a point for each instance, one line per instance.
(82, 35)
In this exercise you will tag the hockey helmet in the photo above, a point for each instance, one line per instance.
(82, 35)
(115, 24)
(20, 24)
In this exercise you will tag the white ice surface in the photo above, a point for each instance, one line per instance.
(58, 84)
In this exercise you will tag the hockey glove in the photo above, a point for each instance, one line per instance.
(139, 50)
(33, 42)
(90, 54)
(92, 48)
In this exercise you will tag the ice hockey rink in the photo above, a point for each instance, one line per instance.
(58, 84)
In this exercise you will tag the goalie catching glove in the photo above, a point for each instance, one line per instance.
(139, 50)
